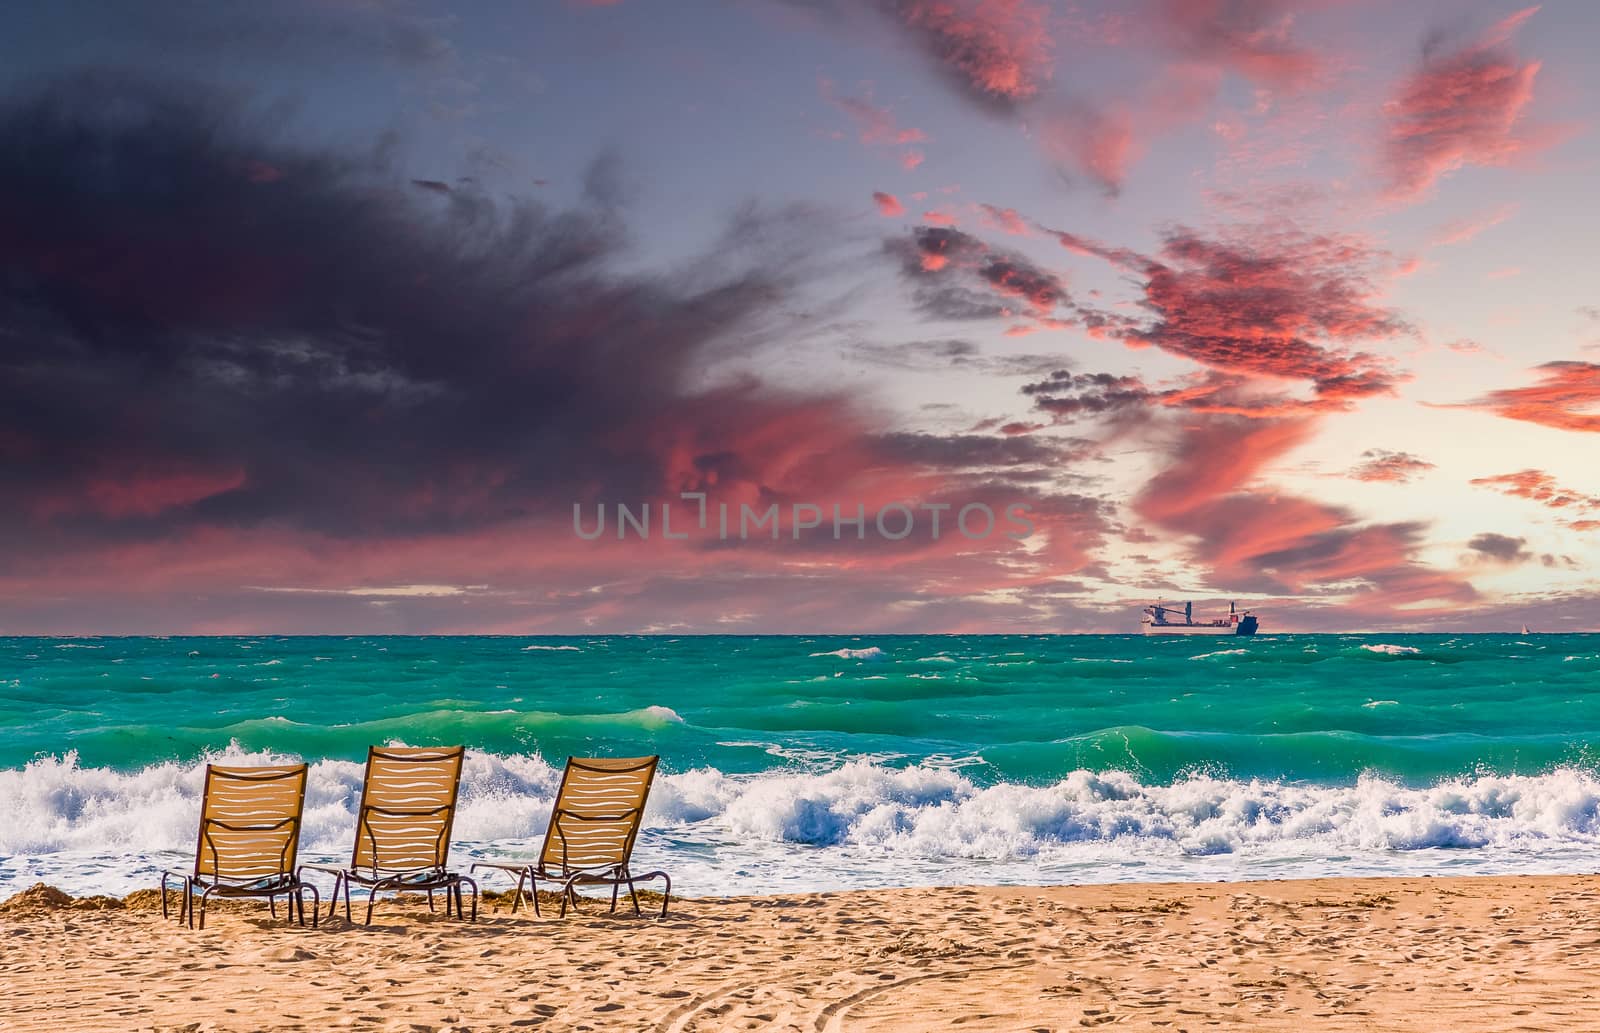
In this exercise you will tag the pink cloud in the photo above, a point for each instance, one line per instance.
(120, 495)
(1254, 538)
(876, 126)
(1006, 219)
(1384, 466)
(1460, 108)
(1094, 143)
(889, 206)
(1460, 231)
(1250, 38)
(1540, 487)
(1565, 398)
(996, 50)
(1270, 302)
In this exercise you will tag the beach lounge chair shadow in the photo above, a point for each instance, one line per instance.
(408, 807)
(249, 832)
(593, 825)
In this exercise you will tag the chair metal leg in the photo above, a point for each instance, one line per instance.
(272, 906)
(446, 902)
(474, 884)
(633, 894)
(568, 893)
(204, 896)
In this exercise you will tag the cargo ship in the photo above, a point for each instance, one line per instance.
(1160, 619)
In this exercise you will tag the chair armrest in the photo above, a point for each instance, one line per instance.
(324, 868)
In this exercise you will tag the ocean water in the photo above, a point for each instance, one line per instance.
(807, 763)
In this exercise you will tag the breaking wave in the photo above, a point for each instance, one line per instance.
(812, 829)
(868, 653)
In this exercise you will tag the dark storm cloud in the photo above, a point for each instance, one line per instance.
(202, 325)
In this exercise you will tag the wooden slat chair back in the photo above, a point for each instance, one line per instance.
(250, 822)
(594, 823)
(249, 837)
(408, 809)
(403, 828)
(597, 813)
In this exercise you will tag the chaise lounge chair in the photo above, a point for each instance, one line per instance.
(408, 806)
(593, 825)
(249, 832)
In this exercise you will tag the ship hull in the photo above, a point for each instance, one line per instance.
(1247, 626)
(1188, 629)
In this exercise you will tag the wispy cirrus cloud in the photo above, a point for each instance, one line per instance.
(1564, 398)
(951, 354)
(1463, 230)
(1008, 220)
(876, 125)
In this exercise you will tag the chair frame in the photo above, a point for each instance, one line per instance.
(428, 878)
(287, 883)
(570, 876)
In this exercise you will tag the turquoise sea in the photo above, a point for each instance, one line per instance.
(794, 763)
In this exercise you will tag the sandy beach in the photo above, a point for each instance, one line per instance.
(1367, 954)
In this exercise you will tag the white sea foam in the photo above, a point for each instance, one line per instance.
(858, 823)
(1221, 652)
(552, 649)
(1391, 650)
(869, 653)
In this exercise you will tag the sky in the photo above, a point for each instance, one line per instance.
(355, 316)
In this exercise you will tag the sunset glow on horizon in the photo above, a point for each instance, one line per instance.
(324, 318)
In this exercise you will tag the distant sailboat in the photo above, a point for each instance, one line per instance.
(1525, 630)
